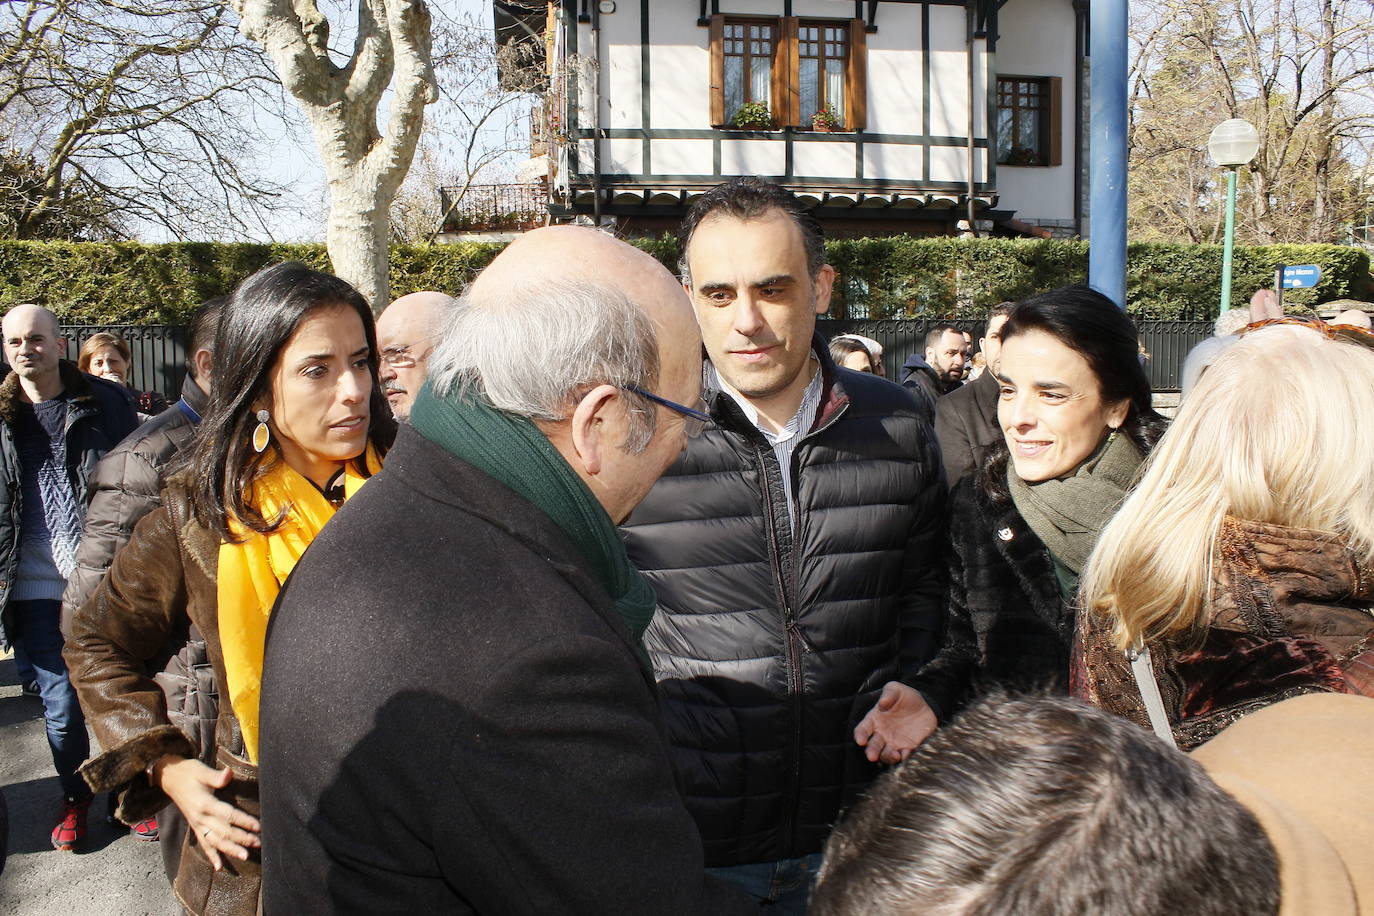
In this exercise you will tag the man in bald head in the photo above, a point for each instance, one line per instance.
(58, 423)
(491, 741)
(405, 338)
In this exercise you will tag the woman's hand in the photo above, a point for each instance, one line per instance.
(896, 725)
(219, 826)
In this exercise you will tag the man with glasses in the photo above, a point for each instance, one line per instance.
(405, 337)
(793, 549)
(491, 742)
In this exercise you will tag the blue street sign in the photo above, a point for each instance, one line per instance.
(1301, 276)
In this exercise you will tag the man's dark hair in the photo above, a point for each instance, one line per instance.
(1001, 308)
(1047, 806)
(203, 324)
(934, 335)
(747, 198)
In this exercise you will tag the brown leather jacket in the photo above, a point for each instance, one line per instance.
(1289, 613)
(163, 582)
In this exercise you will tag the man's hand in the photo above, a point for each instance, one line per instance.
(896, 725)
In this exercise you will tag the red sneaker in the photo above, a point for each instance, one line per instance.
(145, 830)
(72, 828)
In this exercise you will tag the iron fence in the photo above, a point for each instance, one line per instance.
(159, 351)
(493, 207)
(1166, 342)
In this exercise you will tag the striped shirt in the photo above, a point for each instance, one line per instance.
(784, 441)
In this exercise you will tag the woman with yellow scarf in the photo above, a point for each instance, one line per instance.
(296, 424)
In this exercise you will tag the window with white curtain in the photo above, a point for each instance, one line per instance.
(748, 47)
(822, 48)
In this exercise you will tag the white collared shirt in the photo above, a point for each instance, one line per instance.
(784, 441)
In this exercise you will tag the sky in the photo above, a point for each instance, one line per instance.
(293, 160)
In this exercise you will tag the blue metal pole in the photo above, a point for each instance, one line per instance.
(1107, 173)
(1229, 245)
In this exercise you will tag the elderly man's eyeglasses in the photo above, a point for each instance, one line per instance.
(697, 418)
(401, 357)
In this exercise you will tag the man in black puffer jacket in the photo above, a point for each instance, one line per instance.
(127, 485)
(793, 548)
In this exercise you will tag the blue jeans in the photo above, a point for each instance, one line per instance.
(783, 887)
(22, 666)
(36, 630)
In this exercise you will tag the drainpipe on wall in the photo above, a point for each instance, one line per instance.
(596, 114)
(1080, 45)
(970, 15)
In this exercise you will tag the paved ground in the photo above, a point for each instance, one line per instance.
(112, 875)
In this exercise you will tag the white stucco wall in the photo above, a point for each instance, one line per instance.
(1036, 39)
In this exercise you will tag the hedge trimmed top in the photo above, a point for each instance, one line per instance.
(898, 277)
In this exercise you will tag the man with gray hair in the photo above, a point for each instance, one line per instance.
(492, 742)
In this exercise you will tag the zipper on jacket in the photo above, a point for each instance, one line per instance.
(793, 647)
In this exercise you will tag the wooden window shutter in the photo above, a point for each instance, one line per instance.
(856, 78)
(717, 38)
(786, 67)
(1055, 153)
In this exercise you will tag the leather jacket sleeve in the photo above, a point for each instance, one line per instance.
(945, 682)
(114, 635)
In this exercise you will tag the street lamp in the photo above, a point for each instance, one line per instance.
(1232, 144)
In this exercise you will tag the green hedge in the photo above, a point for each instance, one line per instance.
(133, 283)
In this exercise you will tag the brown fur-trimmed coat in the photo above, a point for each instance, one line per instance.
(1289, 613)
(162, 582)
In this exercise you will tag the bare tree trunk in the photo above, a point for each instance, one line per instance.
(364, 167)
(1323, 211)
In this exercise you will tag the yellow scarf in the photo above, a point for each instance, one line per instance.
(251, 574)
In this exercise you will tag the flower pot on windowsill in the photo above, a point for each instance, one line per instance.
(752, 116)
(826, 121)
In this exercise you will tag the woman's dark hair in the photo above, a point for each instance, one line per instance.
(1091, 325)
(255, 324)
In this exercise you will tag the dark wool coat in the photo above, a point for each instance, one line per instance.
(770, 648)
(966, 425)
(99, 415)
(455, 719)
(1007, 625)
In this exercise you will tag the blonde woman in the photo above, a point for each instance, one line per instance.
(1244, 559)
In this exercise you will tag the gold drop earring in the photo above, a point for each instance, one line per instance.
(261, 434)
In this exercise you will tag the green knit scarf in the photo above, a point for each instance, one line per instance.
(512, 450)
(1069, 512)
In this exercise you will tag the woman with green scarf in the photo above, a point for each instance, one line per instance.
(1074, 409)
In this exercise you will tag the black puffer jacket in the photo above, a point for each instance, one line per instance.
(767, 651)
(1007, 625)
(99, 415)
(127, 485)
